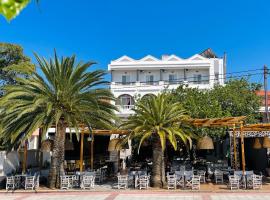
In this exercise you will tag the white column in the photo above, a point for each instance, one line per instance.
(211, 74)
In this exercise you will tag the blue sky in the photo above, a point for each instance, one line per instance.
(103, 30)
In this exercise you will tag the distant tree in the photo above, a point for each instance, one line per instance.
(236, 98)
(13, 63)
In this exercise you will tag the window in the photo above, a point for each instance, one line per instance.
(172, 78)
(216, 77)
(125, 79)
(197, 79)
(125, 101)
(150, 79)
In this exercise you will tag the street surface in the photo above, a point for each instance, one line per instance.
(139, 195)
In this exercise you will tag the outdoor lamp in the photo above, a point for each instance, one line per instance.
(257, 144)
(266, 142)
(89, 139)
(205, 143)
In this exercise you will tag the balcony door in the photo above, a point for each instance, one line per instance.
(125, 79)
(149, 79)
(197, 79)
(172, 78)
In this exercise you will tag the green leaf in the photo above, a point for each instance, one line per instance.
(11, 8)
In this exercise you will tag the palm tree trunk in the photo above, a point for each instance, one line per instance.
(158, 168)
(58, 155)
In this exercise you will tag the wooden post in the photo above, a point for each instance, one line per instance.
(92, 152)
(234, 148)
(81, 152)
(242, 148)
(24, 157)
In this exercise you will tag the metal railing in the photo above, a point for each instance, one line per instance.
(125, 107)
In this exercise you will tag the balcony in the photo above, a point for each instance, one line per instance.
(125, 107)
(158, 85)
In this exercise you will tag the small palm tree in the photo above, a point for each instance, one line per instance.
(159, 120)
(64, 94)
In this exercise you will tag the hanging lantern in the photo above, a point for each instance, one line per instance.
(205, 143)
(113, 144)
(198, 146)
(47, 145)
(266, 142)
(69, 145)
(257, 144)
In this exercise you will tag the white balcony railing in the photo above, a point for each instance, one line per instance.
(125, 107)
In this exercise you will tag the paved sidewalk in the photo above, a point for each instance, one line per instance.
(135, 196)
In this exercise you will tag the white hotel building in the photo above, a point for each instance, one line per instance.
(132, 78)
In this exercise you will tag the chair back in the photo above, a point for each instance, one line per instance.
(10, 180)
(188, 175)
(196, 179)
(249, 173)
(30, 179)
(238, 173)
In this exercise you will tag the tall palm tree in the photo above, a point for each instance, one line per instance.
(159, 120)
(65, 94)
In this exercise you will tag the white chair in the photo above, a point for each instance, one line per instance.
(218, 176)
(171, 181)
(143, 182)
(37, 181)
(196, 182)
(180, 179)
(188, 178)
(234, 182)
(122, 181)
(98, 176)
(10, 183)
(18, 181)
(254, 181)
(75, 181)
(30, 182)
(88, 182)
(65, 182)
(201, 173)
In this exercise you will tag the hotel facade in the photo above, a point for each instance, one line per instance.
(135, 78)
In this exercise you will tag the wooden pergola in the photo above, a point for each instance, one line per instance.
(85, 131)
(226, 122)
(236, 124)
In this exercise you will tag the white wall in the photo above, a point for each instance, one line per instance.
(8, 162)
(142, 75)
(117, 75)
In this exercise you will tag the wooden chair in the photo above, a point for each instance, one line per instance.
(10, 183)
(234, 182)
(65, 182)
(122, 182)
(254, 182)
(202, 173)
(196, 182)
(143, 182)
(75, 181)
(88, 182)
(37, 181)
(30, 182)
(218, 176)
(171, 181)
(18, 181)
